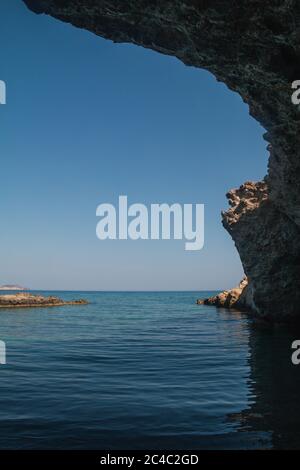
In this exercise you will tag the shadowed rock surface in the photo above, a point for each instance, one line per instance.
(253, 47)
(30, 300)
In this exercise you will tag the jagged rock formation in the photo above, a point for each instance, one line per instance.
(30, 300)
(269, 243)
(253, 47)
(237, 298)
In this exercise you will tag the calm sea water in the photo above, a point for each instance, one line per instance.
(145, 371)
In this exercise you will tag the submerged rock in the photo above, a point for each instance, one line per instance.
(30, 300)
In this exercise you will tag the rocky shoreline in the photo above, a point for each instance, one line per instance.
(29, 300)
(238, 298)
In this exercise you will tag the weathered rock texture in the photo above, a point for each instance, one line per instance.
(254, 47)
(30, 300)
(269, 244)
(237, 298)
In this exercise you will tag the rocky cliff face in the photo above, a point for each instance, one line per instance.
(254, 47)
(269, 243)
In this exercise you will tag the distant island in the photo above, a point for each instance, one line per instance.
(12, 287)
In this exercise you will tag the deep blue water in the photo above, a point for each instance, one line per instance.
(145, 371)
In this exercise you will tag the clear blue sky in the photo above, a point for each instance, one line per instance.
(87, 120)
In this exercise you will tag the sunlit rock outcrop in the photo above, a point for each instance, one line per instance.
(253, 47)
(26, 300)
(237, 298)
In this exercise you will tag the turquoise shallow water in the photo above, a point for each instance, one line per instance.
(145, 371)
